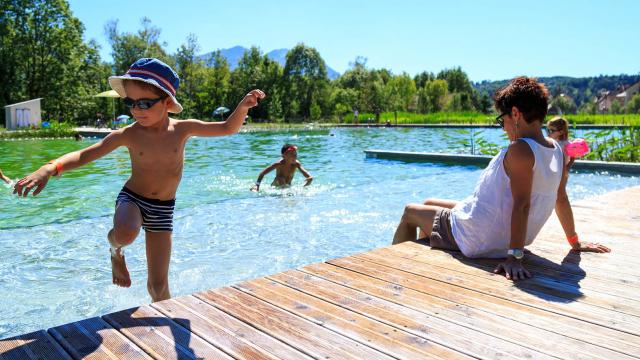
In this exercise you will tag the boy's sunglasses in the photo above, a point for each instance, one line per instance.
(142, 104)
(500, 120)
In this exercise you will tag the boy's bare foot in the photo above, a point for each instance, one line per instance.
(119, 270)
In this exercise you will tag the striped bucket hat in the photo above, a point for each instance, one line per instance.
(151, 71)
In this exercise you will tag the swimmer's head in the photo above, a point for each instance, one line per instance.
(289, 151)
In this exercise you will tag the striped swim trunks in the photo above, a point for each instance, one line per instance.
(157, 215)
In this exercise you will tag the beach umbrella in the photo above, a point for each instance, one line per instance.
(221, 111)
(110, 94)
(123, 118)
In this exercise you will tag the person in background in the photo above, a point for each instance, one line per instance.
(285, 169)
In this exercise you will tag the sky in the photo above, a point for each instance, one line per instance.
(490, 39)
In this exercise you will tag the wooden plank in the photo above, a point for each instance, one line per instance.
(34, 345)
(545, 270)
(305, 336)
(417, 286)
(93, 338)
(537, 284)
(543, 301)
(161, 337)
(387, 339)
(458, 336)
(218, 328)
(540, 339)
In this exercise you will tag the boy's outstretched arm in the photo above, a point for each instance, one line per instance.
(565, 215)
(231, 125)
(39, 178)
(306, 174)
(264, 172)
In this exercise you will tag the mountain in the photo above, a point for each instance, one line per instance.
(234, 54)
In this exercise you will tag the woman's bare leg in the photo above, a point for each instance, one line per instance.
(444, 203)
(415, 216)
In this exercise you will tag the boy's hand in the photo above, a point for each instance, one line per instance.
(251, 99)
(308, 181)
(513, 269)
(37, 180)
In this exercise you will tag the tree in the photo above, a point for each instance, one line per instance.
(436, 94)
(400, 92)
(304, 82)
(214, 91)
(616, 108)
(127, 47)
(192, 74)
(43, 56)
(633, 106)
(256, 71)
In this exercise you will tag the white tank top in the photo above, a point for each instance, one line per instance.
(481, 223)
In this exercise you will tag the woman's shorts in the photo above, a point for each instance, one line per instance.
(441, 236)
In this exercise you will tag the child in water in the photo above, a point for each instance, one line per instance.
(285, 169)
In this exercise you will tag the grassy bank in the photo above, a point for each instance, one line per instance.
(55, 130)
(479, 118)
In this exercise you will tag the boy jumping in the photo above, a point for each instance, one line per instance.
(156, 146)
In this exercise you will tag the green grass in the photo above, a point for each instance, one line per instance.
(479, 118)
(56, 130)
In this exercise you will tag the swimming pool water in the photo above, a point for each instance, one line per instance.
(55, 267)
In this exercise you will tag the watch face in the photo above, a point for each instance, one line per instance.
(516, 253)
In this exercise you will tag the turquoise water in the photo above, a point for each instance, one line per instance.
(56, 268)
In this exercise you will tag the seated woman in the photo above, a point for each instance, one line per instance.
(514, 197)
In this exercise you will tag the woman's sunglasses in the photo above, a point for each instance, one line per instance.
(142, 104)
(551, 131)
(500, 120)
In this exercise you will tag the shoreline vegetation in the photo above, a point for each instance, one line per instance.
(620, 142)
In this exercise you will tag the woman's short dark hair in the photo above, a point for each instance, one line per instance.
(527, 94)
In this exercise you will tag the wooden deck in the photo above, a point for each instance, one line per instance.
(403, 301)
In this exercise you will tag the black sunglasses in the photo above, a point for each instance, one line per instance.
(551, 131)
(500, 120)
(142, 104)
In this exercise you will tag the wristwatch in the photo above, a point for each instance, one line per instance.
(516, 253)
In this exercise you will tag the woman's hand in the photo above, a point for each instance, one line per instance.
(513, 269)
(37, 180)
(590, 247)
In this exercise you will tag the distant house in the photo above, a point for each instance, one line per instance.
(622, 95)
(24, 114)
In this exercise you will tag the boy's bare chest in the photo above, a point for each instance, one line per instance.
(157, 152)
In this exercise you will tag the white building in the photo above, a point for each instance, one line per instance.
(24, 114)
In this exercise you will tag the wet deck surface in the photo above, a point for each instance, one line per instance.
(404, 301)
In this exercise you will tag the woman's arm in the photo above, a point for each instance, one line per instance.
(565, 215)
(518, 164)
(70, 161)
